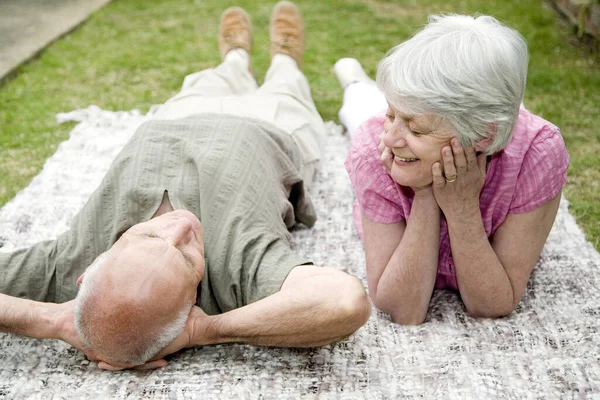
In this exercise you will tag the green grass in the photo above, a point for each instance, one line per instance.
(135, 53)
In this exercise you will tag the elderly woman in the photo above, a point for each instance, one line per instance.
(457, 184)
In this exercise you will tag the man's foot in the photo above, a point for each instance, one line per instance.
(235, 31)
(287, 31)
(349, 70)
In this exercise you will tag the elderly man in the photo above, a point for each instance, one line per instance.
(187, 237)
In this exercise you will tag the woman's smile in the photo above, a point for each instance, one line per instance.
(404, 160)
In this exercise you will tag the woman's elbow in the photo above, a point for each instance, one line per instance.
(410, 320)
(495, 312)
(400, 315)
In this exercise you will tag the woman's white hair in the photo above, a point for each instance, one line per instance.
(142, 345)
(470, 71)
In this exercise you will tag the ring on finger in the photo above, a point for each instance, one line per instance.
(452, 179)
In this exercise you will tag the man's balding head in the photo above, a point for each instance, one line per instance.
(134, 299)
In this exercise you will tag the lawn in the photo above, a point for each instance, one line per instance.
(134, 53)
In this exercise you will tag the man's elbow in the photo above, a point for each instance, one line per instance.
(355, 307)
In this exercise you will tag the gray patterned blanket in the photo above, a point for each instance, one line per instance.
(548, 348)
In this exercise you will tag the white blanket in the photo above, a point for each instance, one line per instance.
(548, 348)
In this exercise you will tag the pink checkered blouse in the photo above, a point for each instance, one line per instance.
(528, 172)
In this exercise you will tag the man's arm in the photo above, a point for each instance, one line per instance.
(315, 306)
(41, 321)
(26, 317)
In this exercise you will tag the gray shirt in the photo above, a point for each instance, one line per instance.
(239, 176)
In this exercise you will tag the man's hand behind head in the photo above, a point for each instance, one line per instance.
(65, 329)
(196, 333)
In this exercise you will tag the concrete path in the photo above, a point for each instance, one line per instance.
(27, 26)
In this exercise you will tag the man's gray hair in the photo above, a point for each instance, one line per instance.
(471, 71)
(142, 346)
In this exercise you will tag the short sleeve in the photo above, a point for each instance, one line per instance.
(376, 192)
(266, 278)
(543, 172)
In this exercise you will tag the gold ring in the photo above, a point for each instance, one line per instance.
(451, 180)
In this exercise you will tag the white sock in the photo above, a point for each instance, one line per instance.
(361, 101)
(283, 58)
(238, 55)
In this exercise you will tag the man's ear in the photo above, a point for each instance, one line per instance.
(80, 279)
(491, 135)
(165, 206)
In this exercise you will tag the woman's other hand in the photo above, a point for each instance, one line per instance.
(457, 185)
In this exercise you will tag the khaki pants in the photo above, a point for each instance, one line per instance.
(283, 100)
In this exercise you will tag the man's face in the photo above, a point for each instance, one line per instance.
(158, 264)
(166, 252)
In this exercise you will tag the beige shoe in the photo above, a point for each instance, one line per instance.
(235, 31)
(287, 31)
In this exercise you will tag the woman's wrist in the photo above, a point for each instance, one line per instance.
(425, 195)
(468, 213)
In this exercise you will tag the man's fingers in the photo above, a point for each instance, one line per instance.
(149, 365)
(153, 365)
(108, 367)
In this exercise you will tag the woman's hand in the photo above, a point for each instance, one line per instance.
(387, 157)
(457, 189)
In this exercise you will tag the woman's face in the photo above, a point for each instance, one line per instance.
(416, 143)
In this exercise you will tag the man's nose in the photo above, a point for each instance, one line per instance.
(179, 230)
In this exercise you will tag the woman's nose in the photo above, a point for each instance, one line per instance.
(394, 137)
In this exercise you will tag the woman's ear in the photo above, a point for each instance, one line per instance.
(483, 144)
(165, 206)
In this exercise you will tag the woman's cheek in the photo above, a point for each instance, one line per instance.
(386, 125)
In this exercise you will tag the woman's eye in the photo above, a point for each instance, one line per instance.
(390, 117)
(415, 133)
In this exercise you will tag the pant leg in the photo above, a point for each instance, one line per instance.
(361, 102)
(200, 91)
(295, 112)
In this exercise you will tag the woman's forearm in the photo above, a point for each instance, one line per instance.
(405, 286)
(484, 285)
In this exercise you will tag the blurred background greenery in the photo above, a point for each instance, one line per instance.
(135, 53)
